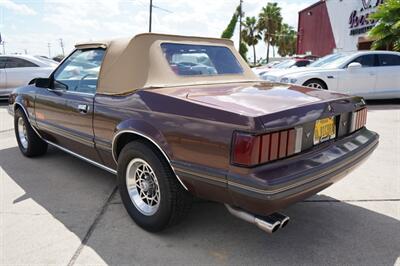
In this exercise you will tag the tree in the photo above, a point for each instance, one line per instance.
(387, 31)
(270, 24)
(251, 35)
(243, 51)
(230, 30)
(287, 41)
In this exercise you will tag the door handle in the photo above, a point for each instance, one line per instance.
(83, 108)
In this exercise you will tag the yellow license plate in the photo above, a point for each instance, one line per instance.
(325, 129)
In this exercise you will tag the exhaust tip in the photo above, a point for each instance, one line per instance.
(285, 222)
(269, 224)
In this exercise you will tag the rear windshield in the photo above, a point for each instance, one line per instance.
(200, 60)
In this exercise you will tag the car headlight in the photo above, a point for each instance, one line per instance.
(269, 78)
(285, 80)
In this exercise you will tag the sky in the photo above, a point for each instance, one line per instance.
(32, 25)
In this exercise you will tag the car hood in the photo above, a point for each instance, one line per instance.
(251, 99)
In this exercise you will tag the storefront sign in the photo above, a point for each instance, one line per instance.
(359, 19)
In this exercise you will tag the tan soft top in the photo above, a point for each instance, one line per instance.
(135, 63)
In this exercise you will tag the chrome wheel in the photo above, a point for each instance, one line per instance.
(315, 85)
(143, 187)
(22, 133)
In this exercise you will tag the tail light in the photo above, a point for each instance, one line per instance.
(359, 119)
(250, 150)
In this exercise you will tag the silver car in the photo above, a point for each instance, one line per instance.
(18, 70)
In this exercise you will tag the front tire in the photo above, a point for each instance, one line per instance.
(29, 143)
(149, 189)
(316, 84)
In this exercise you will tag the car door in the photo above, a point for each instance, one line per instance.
(65, 111)
(359, 81)
(19, 71)
(388, 78)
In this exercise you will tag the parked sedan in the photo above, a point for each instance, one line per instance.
(168, 133)
(286, 64)
(18, 70)
(370, 74)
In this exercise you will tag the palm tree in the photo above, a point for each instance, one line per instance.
(287, 40)
(251, 35)
(270, 23)
(387, 30)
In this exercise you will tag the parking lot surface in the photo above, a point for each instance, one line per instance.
(59, 210)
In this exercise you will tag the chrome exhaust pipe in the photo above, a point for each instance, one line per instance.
(283, 219)
(268, 224)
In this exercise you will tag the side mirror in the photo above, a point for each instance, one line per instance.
(354, 65)
(43, 83)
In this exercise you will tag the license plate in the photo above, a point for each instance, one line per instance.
(325, 129)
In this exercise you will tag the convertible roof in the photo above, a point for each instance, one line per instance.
(138, 63)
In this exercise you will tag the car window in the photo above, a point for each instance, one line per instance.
(80, 71)
(13, 62)
(302, 63)
(3, 61)
(200, 60)
(365, 60)
(389, 60)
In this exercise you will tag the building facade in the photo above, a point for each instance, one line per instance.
(335, 25)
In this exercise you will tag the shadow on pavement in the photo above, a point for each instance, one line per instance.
(374, 105)
(319, 232)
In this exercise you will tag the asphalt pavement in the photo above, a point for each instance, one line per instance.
(59, 210)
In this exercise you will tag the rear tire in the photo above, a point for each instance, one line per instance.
(316, 84)
(149, 189)
(29, 143)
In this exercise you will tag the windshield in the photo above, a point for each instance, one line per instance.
(46, 60)
(200, 60)
(332, 60)
(285, 64)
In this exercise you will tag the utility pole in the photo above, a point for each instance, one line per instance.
(62, 46)
(26, 51)
(49, 46)
(4, 47)
(240, 23)
(151, 14)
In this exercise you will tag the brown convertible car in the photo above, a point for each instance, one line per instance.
(176, 116)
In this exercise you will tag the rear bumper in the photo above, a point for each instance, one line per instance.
(269, 188)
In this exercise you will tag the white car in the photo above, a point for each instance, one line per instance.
(370, 74)
(18, 70)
